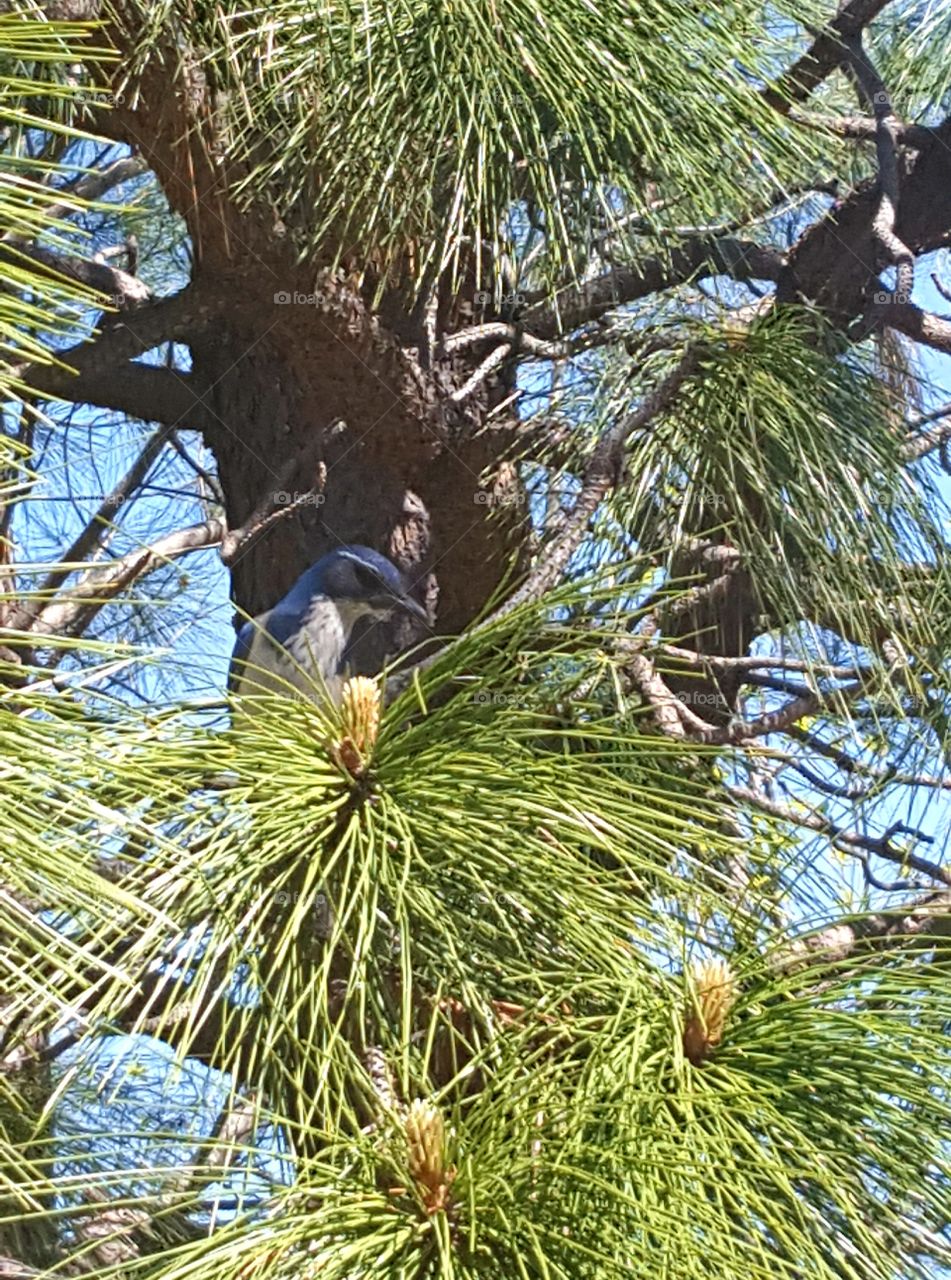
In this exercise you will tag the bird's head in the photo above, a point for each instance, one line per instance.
(360, 575)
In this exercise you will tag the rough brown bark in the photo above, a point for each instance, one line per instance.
(326, 385)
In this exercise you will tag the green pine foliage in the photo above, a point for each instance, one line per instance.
(40, 100)
(395, 129)
(512, 925)
(524, 991)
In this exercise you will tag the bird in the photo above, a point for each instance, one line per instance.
(303, 645)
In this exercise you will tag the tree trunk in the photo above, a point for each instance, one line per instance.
(315, 397)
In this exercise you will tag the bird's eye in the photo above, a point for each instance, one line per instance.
(366, 578)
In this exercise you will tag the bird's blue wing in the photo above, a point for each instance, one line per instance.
(276, 627)
(242, 649)
(282, 624)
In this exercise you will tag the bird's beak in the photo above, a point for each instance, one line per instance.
(413, 608)
(390, 602)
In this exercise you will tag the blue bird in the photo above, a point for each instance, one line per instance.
(303, 643)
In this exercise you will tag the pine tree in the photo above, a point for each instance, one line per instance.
(605, 931)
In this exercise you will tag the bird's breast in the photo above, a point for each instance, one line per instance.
(299, 654)
(322, 637)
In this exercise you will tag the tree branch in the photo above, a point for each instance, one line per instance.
(852, 842)
(126, 292)
(100, 372)
(753, 662)
(689, 262)
(934, 331)
(71, 614)
(93, 186)
(89, 537)
(887, 138)
(917, 446)
(668, 710)
(600, 474)
(825, 54)
(772, 722)
(865, 128)
(928, 920)
(833, 264)
(856, 768)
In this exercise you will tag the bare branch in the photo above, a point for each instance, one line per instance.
(865, 128)
(270, 510)
(510, 335)
(87, 189)
(691, 261)
(101, 372)
(887, 137)
(600, 474)
(207, 478)
(772, 722)
(841, 791)
(667, 709)
(73, 613)
(493, 360)
(516, 341)
(13, 1269)
(853, 842)
(879, 776)
(934, 331)
(826, 53)
(125, 292)
(770, 661)
(941, 286)
(926, 920)
(93, 186)
(928, 441)
(89, 538)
